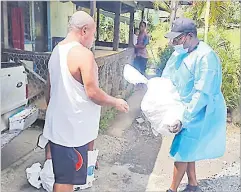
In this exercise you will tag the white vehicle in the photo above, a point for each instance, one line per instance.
(14, 97)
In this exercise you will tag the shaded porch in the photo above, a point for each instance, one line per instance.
(115, 8)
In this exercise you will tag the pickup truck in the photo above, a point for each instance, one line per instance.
(14, 96)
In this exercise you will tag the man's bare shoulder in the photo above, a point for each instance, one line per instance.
(80, 56)
(80, 51)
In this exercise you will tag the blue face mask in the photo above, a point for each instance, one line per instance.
(180, 49)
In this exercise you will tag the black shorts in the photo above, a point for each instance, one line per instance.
(69, 164)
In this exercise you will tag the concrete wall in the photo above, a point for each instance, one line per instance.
(111, 74)
(59, 15)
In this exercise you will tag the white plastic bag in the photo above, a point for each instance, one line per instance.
(133, 76)
(33, 175)
(92, 158)
(46, 175)
(161, 104)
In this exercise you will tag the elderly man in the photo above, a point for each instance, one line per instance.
(74, 103)
(195, 70)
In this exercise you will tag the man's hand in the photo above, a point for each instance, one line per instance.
(176, 127)
(122, 105)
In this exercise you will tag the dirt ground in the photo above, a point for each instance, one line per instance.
(131, 159)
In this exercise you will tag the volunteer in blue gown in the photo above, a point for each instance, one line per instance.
(195, 70)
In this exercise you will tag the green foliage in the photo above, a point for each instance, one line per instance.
(230, 59)
(150, 24)
(233, 13)
(164, 55)
(107, 30)
(159, 32)
(106, 119)
(196, 13)
(165, 5)
(222, 13)
(233, 35)
(124, 33)
(158, 41)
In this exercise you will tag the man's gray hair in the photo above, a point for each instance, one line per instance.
(79, 19)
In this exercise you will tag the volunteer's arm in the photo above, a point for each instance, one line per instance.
(203, 87)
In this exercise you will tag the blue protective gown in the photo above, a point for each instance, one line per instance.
(198, 78)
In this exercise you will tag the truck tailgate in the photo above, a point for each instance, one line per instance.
(13, 88)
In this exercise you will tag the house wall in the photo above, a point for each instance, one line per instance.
(35, 24)
(59, 15)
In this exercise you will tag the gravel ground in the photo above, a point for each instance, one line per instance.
(228, 180)
(131, 159)
(225, 176)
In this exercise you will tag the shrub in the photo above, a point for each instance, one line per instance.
(164, 55)
(230, 58)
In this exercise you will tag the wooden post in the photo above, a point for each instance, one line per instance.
(92, 8)
(40, 40)
(131, 27)
(32, 25)
(117, 26)
(92, 14)
(5, 23)
(50, 47)
(98, 25)
(142, 14)
(206, 21)
(174, 6)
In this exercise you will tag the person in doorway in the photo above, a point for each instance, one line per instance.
(141, 58)
(74, 103)
(195, 70)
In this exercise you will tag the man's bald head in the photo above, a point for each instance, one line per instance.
(82, 26)
(80, 19)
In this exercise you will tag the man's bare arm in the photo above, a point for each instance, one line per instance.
(89, 72)
(47, 90)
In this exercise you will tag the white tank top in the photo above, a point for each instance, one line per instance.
(72, 119)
